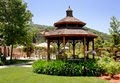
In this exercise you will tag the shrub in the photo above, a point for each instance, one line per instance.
(2, 60)
(68, 68)
(39, 66)
(92, 68)
(54, 68)
(109, 65)
(29, 49)
(72, 69)
(78, 68)
(113, 68)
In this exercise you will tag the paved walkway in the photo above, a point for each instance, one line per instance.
(28, 64)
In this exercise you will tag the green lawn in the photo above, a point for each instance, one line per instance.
(25, 75)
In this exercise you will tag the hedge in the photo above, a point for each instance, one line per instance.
(67, 68)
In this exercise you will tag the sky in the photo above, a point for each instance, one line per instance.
(96, 13)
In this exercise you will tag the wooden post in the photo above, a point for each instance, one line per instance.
(58, 44)
(87, 48)
(84, 48)
(73, 48)
(48, 50)
(93, 48)
(64, 47)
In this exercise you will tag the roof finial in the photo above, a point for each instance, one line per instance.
(69, 6)
(69, 12)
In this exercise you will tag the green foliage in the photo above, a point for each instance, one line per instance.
(99, 42)
(109, 66)
(29, 49)
(113, 68)
(14, 19)
(2, 60)
(43, 27)
(57, 68)
(35, 33)
(92, 68)
(38, 32)
(78, 68)
(14, 22)
(115, 30)
(68, 68)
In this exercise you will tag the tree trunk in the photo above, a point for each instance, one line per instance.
(11, 54)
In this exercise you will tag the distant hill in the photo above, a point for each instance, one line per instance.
(43, 27)
(105, 36)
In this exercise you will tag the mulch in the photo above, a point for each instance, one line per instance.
(115, 79)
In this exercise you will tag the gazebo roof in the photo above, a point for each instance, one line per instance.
(69, 20)
(70, 32)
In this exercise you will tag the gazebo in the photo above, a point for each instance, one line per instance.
(69, 29)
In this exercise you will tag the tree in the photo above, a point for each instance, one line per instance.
(115, 30)
(115, 34)
(14, 22)
(99, 42)
(35, 34)
(99, 45)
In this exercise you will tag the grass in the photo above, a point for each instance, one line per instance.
(25, 75)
